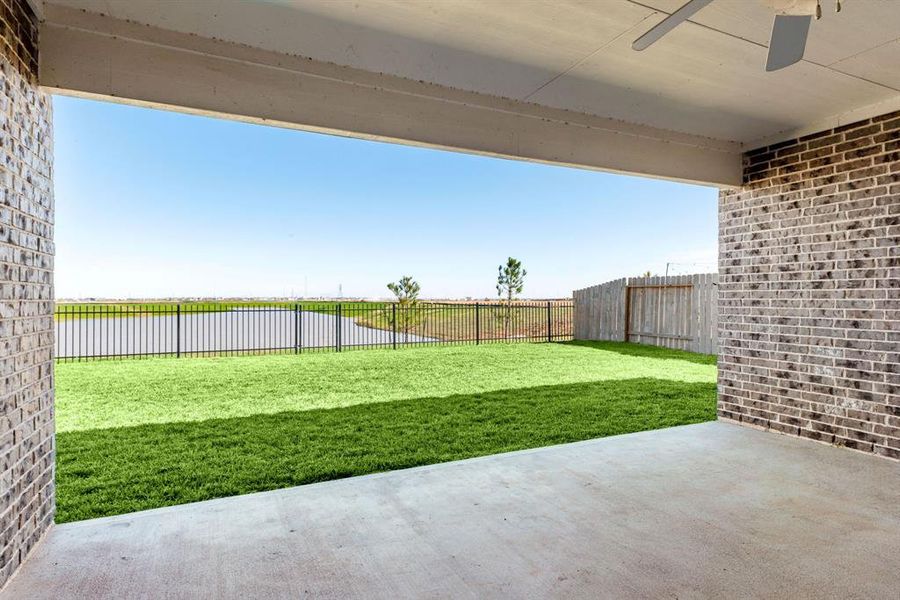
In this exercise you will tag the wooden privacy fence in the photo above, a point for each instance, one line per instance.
(674, 312)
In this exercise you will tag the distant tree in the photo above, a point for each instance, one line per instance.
(510, 283)
(647, 274)
(407, 293)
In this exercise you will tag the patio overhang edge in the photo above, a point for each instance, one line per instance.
(92, 55)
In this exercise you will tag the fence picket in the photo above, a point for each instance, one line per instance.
(674, 312)
(92, 331)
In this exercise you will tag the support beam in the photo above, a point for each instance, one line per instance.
(93, 55)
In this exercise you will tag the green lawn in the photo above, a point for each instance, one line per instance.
(140, 434)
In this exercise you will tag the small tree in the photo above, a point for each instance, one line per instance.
(407, 292)
(510, 283)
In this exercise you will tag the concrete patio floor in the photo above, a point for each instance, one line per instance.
(709, 510)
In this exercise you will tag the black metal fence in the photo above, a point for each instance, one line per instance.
(92, 331)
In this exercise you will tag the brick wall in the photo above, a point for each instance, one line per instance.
(26, 293)
(810, 288)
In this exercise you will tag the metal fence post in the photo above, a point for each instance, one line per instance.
(549, 326)
(477, 323)
(296, 328)
(178, 331)
(139, 330)
(394, 320)
(337, 328)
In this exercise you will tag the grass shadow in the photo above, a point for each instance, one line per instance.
(105, 472)
(643, 350)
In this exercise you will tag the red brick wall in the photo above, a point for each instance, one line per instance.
(809, 262)
(26, 293)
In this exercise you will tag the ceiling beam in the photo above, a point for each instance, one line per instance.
(96, 56)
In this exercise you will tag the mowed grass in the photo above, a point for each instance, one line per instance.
(141, 434)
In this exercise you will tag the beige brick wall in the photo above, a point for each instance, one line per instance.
(809, 261)
(26, 293)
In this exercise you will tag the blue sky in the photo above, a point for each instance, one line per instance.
(159, 204)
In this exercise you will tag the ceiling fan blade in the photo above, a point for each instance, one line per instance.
(788, 40)
(669, 23)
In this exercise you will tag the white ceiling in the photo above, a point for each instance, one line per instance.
(706, 77)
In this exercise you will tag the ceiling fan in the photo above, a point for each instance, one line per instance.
(789, 32)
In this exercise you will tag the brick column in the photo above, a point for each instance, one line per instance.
(809, 262)
(26, 293)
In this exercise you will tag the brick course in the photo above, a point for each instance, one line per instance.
(26, 293)
(20, 37)
(809, 264)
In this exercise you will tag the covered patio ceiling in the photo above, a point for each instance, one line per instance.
(547, 81)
